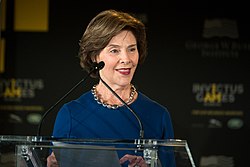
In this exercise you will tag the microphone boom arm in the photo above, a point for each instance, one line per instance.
(125, 104)
(96, 67)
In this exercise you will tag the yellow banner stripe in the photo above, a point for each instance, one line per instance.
(31, 15)
(2, 54)
(3, 14)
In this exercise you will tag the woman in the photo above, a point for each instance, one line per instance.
(119, 40)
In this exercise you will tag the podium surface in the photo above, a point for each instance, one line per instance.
(32, 151)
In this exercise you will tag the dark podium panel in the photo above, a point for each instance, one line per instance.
(32, 151)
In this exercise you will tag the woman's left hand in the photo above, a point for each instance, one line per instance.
(134, 161)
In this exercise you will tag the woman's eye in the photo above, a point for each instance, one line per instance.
(114, 51)
(132, 49)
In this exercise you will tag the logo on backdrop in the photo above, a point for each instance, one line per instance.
(224, 34)
(220, 28)
(212, 96)
(216, 94)
(217, 160)
(17, 89)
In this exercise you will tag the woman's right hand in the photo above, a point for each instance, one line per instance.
(51, 160)
(134, 161)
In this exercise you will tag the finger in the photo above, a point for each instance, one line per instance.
(136, 161)
(139, 159)
(127, 157)
(51, 160)
(140, 162)
(123, 159)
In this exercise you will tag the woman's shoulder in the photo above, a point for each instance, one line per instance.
(84, 99)
(146, 101)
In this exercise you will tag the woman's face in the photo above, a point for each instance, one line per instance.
(121, 59)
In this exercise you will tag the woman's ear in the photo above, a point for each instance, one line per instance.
(93, 59)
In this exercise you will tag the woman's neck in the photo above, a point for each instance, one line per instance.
(126, 93)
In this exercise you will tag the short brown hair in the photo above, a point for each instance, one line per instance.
(102, 28)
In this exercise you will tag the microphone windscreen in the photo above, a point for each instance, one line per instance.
(98, 66)
(101, 65)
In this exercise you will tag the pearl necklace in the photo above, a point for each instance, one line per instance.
(112, 106)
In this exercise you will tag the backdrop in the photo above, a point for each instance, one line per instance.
(197, 67)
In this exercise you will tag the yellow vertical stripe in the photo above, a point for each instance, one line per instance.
(2, 54)
(31, 15)
(2, 40)
(2, 15)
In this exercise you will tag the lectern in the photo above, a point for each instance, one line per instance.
(32, 151)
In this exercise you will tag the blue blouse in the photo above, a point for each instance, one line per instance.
(85, 118)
